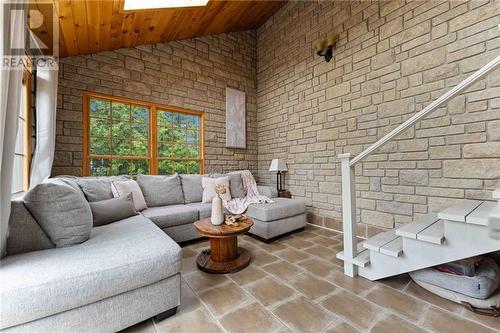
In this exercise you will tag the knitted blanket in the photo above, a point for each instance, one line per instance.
(240, 205)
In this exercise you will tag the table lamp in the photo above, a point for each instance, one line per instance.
(279, 166)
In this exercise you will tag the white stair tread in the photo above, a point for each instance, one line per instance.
(379, 240)
(360, 248)
(459, 212)
(480, 214)
(496, 194)
(361, 260)
(433, 234)
(393, 248)
(413, 229)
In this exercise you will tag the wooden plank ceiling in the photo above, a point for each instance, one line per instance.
(90, 26)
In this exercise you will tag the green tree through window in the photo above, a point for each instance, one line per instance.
(178, 142)
(120, 142)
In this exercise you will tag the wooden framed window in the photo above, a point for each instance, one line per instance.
(179, 139)
(124, 136)
(22, 152)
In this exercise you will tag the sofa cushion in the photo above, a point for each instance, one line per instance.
(111, 210)
(204, 209)
(268, 191)
(25, 235)
(280, 208)
(61, 211)
(168, 216)
(118, 257)
(161, 190)
(191, 186)
(268, 230)
(98, 188)
(71, 181)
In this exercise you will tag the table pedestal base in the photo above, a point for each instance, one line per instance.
(206, 262)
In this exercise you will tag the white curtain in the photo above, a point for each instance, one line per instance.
(10, 102)
(46, 105)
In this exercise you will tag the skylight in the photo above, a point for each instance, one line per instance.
(153, 4)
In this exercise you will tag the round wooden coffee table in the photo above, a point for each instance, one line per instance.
(224, 255)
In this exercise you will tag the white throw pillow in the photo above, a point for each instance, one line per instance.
(210, 188)
(123, 187)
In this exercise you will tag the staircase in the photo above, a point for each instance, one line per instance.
(455, 233)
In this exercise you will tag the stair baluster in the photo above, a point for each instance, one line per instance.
(349, 215)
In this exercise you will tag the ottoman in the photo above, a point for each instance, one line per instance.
(274, 220)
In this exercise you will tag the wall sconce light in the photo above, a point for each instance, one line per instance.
(324, 47)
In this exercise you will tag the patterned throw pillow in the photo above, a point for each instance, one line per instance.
(123, 187)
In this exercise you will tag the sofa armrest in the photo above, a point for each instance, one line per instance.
(268, 191)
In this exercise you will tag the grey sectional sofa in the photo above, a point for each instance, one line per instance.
(128, 271)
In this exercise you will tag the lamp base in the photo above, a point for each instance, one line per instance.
(284, 194)
(279, 185)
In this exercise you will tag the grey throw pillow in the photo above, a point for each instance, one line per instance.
(236, 186)
(61, 211)
(191, 186)
(161, 190)
(111, 210)
(98, 188)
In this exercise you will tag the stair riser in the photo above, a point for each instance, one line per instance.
(432, 240)
(471, 235)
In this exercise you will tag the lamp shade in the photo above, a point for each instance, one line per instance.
(278, 165)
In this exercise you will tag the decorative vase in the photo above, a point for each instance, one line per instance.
(217, 217)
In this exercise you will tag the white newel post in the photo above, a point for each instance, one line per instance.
(349, 215)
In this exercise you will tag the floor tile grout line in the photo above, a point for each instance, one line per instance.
(274, 306)
(317, 301)
(248, 294)
(287, 299)
(347, 320)
(214, 318)
(298, 291)
(403, 290)
(366, 292)
(270, 312)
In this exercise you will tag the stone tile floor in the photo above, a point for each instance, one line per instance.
(296, 284)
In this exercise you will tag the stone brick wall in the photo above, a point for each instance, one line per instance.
(392, 59)
(191, 74)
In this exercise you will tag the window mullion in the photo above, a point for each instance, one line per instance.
(153, 141)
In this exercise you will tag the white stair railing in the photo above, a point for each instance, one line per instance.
(347, 164)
